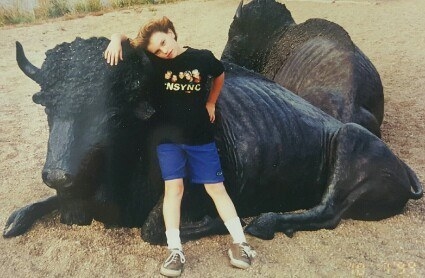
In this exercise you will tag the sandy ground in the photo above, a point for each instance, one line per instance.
(391, 33)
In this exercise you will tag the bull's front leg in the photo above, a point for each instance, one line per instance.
(22, 219)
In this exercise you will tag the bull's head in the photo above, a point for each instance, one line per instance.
(89, 105)
(252, 32)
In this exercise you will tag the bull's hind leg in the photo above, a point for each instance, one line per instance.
(22, 219)
(326, 215)
(365, 180)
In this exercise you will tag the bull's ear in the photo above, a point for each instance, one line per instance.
(238, 13)
(39, 98)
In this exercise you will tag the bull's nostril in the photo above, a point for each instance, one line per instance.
(56, 178)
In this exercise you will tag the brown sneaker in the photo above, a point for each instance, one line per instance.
(173, 265)
(241, 255)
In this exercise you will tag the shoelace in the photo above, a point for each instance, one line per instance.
(173, 257)
(248, 250)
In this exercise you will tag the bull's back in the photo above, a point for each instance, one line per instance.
(326, 68)
(273, 144)
(322, 73)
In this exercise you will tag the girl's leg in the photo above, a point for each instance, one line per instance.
(172, 162)
(173, 264)
(171, 211)
(240, 252)
(226, 210)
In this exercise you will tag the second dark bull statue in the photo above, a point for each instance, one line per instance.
(279, 153)
(316, 59)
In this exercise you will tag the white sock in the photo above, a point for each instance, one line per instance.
(173, 239)
(235, 229)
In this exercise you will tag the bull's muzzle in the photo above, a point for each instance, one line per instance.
(57, 179)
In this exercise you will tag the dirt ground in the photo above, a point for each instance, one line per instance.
(390, 32)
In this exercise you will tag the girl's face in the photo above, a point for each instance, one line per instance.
(164, 45)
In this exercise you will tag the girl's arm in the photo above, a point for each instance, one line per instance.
(216, 86)
(113, 52)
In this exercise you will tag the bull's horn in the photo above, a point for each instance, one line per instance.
(239, 11)
(29, 69)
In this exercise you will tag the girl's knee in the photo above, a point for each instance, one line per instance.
(216, 189)
(174, 189)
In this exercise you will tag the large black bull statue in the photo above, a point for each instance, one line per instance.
(316, 59)
(279, 153)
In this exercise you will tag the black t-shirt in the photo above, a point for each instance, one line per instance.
(180, 93)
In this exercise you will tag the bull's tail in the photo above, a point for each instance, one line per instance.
(416, 191)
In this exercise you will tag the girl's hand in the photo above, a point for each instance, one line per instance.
(211, 110)
(113, 52)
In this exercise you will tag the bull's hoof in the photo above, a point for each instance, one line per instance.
(263, 226)
(22, 219)
(19, 222)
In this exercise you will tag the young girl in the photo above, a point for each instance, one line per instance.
(182, 108)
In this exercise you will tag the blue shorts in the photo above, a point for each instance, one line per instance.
(200, 162)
